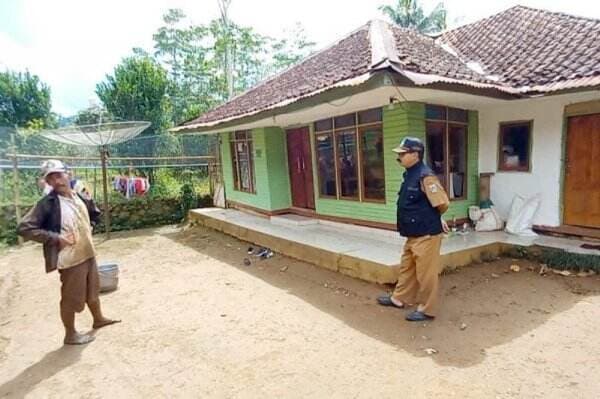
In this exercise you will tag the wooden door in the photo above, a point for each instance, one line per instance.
(300, 166)
(582, 172)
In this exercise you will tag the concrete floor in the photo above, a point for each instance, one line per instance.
(364, 244)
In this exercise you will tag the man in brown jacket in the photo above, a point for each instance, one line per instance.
(62, 221)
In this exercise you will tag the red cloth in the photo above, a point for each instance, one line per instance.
(139, 186)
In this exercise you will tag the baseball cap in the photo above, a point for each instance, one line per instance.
(53, 166)
(409, 144)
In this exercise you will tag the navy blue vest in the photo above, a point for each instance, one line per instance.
(415, 217)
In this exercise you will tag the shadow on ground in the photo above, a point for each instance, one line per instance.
(51, 364)
(496, 306)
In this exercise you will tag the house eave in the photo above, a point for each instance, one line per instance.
(217, 125)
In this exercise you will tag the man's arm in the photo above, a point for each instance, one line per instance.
(30, 227)
(436, 194)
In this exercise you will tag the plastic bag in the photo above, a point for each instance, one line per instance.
(488, 221)
(520, 218)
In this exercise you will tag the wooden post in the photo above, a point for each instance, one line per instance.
(103, 157)
(2, 189)
(16, 188)
(95, 182)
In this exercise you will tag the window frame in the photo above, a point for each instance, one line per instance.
(361, 130)
(235, 163)
(358, 129)
(503, 125)
(316, 151)
(446, 143)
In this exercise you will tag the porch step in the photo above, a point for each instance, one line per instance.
(291, 219)
(366, 253)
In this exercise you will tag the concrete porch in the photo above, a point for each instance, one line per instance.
(366, 253)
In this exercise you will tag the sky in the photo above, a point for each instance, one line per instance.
(73, 44)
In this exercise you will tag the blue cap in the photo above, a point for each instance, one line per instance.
(409, 144)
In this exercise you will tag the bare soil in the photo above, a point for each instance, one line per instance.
(198, 322)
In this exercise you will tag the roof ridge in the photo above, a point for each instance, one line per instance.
(383, 47)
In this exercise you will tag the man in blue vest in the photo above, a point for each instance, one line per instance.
(421, 202)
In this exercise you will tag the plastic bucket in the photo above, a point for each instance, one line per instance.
(109, 276)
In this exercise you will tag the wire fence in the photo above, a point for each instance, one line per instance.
(166, 162)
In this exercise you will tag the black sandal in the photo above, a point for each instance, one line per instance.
(386, 300)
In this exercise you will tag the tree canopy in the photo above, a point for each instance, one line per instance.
(410, 14)
(24, 100)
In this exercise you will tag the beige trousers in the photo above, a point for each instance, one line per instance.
(419, 273)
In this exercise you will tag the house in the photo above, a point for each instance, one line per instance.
(514, 95)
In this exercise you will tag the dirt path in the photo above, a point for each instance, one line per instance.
(198, 323)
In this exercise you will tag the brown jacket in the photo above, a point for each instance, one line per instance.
(43, 223)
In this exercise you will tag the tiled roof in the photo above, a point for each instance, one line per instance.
(526, 47)
(348, 58)
(420, 53)
(519, 50)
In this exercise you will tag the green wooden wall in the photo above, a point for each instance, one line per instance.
(272, 184)
(405, 119)
(272, 176)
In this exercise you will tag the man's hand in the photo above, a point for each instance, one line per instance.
(65, 240)
(445, 226)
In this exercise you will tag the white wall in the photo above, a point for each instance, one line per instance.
(546, 158)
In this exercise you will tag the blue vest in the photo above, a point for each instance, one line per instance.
(415, 217)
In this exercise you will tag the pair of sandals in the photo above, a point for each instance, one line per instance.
(417, 315)
(264, 253)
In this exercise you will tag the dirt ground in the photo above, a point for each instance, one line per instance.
(197, 322)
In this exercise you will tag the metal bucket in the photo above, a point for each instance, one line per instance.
(109, 276)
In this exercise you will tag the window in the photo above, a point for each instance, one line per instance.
(446, 141)
(326, 167)
(515, 146)
(243, 161)
(347, 163)
(350, 156)
(371, 145)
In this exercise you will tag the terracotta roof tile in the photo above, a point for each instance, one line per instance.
(527, 47)
(346, 59)
(420, 53)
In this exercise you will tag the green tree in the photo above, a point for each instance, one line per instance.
(291, 49)
(137, 90)
(207, 64)
(25, 109)
(24, 100)
(409, 14)
(242, 49)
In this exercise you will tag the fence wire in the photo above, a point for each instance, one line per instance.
(168, 161)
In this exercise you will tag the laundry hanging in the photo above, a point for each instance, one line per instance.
(131, 186)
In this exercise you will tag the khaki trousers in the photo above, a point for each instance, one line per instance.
(419, 273)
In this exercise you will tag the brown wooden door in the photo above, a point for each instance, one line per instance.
(300, 166)
(582, 174)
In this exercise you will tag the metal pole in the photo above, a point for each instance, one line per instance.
(103, 156)
(16, 193)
